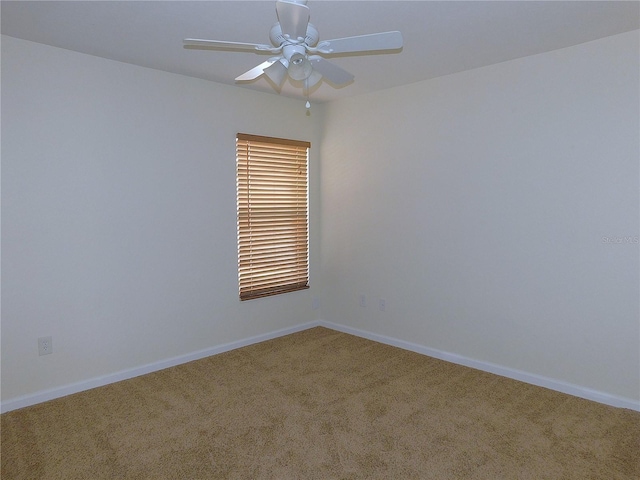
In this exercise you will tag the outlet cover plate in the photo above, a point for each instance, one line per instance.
(45, 346)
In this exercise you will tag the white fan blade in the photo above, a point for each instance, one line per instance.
(214, 44)
(331, 72)
(313, 79)
(363, 43)
(293, 18)
(255, 72)
(277, 73)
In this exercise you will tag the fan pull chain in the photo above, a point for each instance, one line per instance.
(306, 88)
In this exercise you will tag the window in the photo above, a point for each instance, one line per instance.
(273, 227)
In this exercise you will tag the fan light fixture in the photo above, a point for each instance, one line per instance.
(299, 67)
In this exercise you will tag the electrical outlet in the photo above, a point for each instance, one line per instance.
(382, 304)
(315, 303)
(45, 346)
(363, 300)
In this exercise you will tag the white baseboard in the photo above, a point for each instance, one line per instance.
(530, 378)
(45, 395)
(575, 390)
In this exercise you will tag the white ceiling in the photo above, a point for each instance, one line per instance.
(440, 37)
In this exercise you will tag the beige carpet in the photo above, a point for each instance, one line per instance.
(320, 404)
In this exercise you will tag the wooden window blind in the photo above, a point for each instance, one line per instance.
(273, 227)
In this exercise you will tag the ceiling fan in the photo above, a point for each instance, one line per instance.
(298, 55)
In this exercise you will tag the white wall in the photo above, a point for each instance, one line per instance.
(476, 206)
(118, 215)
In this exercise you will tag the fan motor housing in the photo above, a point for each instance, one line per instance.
(278, 38)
